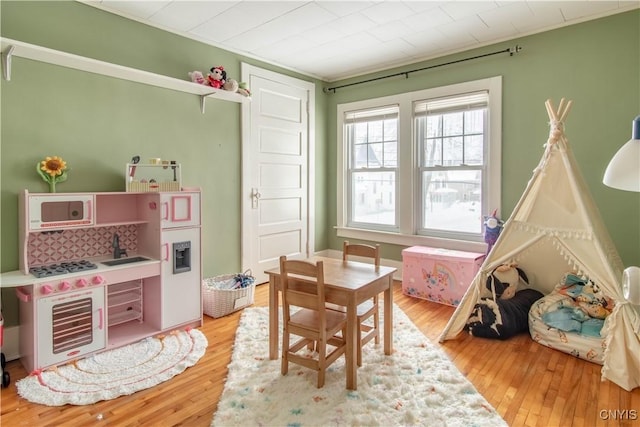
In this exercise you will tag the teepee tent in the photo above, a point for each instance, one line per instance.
(556, 228)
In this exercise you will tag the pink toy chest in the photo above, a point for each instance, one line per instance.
(439, 275)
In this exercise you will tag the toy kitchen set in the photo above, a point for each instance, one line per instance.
(102, 270)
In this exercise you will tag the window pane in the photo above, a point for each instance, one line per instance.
(473, 149)
(474, 121)
(374, 154)
(452, 201)
(434, 126)
(360, 155)
(432, 153)
(452, 124)
(373, 197)
(360, 133)
(390, 155)
(391, 130)
(452, 151)
(375, 131)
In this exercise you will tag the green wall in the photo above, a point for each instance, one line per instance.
(97, 124)
(596, 64)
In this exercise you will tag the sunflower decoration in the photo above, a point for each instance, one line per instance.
(52, 170)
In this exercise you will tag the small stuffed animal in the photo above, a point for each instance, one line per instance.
(217, 77)
(198, 77)
(243, 89)
(504, 279)
(231, 85)
(492, 228)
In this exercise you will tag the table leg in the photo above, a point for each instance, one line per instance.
(273, 318)
(388, 318)
(350, 352)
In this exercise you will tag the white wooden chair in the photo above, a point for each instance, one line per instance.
(314, 324)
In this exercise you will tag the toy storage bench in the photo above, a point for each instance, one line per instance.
(439, 275)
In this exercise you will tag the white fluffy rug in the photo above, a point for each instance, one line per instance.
(117, 372)
(416, 385)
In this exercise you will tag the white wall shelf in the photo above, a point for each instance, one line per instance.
(11, 48)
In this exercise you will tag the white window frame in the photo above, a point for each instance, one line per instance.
(406, 236)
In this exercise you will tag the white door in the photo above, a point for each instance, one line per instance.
(277, 177)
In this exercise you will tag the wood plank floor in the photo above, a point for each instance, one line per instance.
(528, 384)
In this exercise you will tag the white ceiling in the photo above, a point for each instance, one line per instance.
(333, 40)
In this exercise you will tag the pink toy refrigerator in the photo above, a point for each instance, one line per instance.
(439, 275)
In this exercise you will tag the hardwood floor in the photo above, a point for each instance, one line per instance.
(528, 384)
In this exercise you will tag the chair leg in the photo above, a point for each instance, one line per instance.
(376, 325)
(284, 368)
(322, 355)
(359, 341)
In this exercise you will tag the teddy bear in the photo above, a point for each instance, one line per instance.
(217, 77)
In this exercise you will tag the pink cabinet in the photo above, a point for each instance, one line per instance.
(439, 275)
(180, 209)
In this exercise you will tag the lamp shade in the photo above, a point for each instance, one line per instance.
(623, 171)
(631, 285)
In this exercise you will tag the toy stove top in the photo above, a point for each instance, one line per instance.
(62, 268)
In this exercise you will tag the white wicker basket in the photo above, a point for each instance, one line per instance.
(220, 302)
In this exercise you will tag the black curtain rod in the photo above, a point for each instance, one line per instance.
(510, 51)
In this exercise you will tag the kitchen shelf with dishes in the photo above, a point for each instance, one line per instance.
(14, 48)
(117, 261)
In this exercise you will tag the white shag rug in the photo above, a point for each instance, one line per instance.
(117, 372)
(415, 386)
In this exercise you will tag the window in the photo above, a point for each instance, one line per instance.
(421, 167)
(372, 141)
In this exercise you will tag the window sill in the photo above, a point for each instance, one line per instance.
(410, 240)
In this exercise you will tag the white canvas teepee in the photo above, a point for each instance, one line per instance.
(556, 228)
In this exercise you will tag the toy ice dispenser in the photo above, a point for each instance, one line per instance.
(181, 257)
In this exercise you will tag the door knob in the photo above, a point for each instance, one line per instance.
(255, 197)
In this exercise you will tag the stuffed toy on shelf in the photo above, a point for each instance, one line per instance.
(217, 77)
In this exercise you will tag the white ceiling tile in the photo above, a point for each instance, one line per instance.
(432, 18)
(426, 40)
(498, 32)
(344, 8)
(390, 31)
(463, 26)
(185, 15)
(242, 17)
(464, 9)
(387, 11)
(573, 10)
(503, 15)
(138, 9)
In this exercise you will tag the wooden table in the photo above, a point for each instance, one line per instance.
(347, 283)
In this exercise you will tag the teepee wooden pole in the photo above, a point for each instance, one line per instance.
(549, 109)
(566, 111)
(560, 108)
